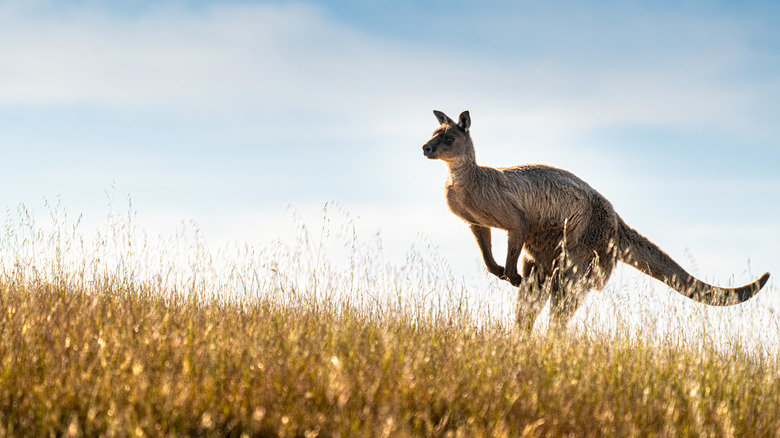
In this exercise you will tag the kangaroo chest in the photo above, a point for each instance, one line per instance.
(471, 207)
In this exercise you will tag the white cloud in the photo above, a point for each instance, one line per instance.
(295, 59)
(218, 62)
(169, 58)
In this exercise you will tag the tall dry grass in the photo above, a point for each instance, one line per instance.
(118, 336)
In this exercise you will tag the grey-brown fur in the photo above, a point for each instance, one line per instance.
(567, 233)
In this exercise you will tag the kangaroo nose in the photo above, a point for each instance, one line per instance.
(427, 149)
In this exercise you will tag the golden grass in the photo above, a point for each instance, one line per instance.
(87, 351)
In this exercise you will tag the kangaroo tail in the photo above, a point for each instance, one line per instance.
(639, 252)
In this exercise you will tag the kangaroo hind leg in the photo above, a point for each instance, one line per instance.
(570, 282)
(531, 295)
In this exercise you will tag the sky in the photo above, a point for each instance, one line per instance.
(239, 116)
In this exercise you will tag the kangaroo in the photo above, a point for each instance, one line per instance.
(568, 234)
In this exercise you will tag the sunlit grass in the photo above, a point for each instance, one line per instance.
(117, 336)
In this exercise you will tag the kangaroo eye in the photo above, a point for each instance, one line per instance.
(448, 139)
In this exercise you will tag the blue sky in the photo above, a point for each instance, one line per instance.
(227, 113)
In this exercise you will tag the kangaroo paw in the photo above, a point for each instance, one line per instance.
(497, 270)
(515, 279)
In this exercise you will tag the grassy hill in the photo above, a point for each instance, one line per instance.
(91, 351)
(118, 361)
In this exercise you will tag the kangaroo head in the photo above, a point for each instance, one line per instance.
(451, 142)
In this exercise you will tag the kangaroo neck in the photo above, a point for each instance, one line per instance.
(463, 171)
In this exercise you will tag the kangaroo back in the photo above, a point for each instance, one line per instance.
(639, 252)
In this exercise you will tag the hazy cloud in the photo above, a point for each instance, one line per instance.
(555, 73)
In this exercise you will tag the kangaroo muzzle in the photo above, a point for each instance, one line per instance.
(429, 150)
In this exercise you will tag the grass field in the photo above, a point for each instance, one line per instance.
(119, 337)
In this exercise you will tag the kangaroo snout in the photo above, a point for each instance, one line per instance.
(429, 150)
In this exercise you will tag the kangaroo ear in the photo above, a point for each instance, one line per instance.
(465, 121)
(443, 118)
